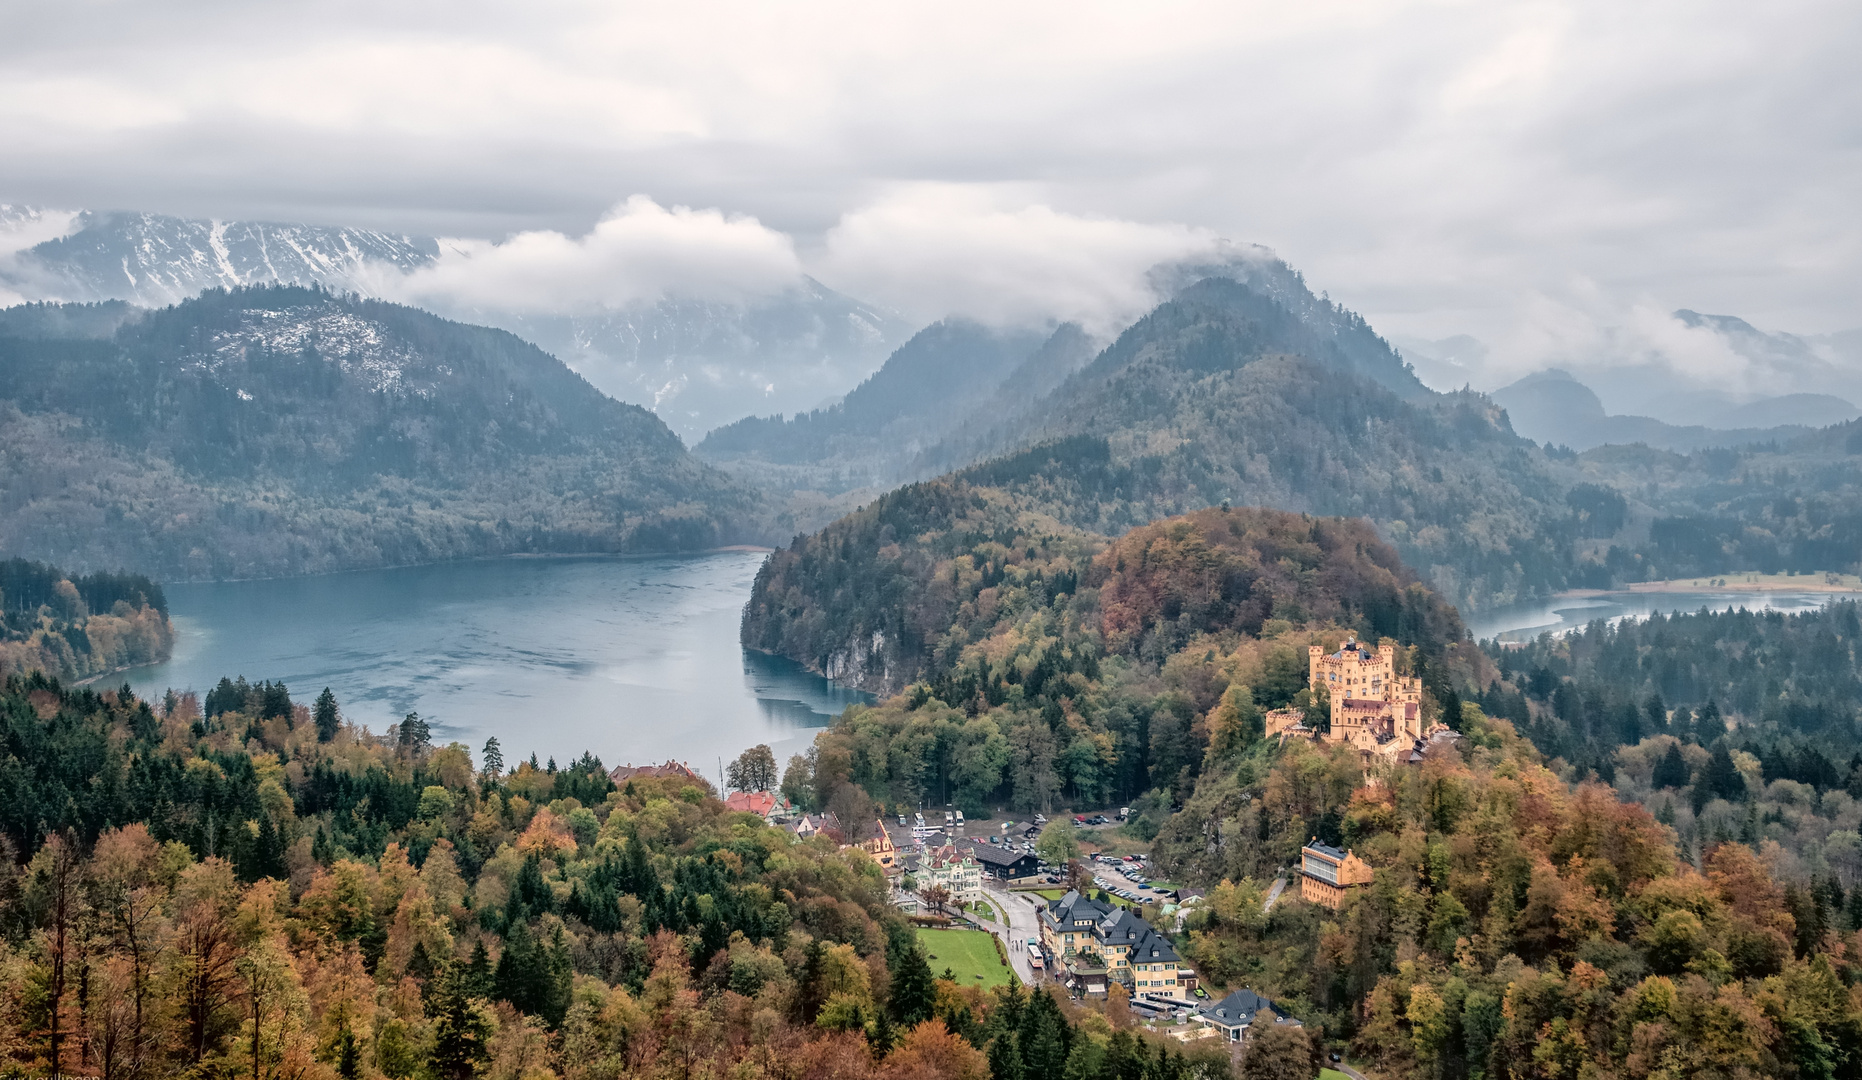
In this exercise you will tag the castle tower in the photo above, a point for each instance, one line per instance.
(1373, 708)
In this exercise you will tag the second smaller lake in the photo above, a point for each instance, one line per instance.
(1522, 622)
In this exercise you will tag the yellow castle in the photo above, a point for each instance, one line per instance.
(1373, 708)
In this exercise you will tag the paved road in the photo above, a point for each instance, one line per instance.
(1023, 924)
(1273, 894)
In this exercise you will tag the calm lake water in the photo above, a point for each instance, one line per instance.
(635, 659)
(1519, 622)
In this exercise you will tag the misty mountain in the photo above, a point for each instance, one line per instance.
(700, 364)
(152, 260)
(1220, 395)
(948, 373)
(959, 392)
(697, 364)
(1328, 332)
(1555, 408)
(1732, 377)
(283, 430)
(1446, 363)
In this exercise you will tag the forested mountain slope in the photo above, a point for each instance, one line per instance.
(261, 887)
(1523, 920)
(948, 373)
(995, 607)
(281, 430)
(696, 363)
(1770, 507)
(1220, 396)
(1224, 395)
(78, 626)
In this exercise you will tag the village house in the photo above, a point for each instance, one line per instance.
(1241, 1013)
(765, 804)
(1000, 862)
(881, 848)
(807, 825)
(953, 868)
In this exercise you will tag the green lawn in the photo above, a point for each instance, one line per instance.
(968, 954)
(1332, 1074)
(987, 910)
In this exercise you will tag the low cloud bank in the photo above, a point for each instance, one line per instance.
(928, 251)
(641, 252)
(932, 250)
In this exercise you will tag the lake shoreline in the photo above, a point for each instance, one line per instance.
(1846, 585)
(728, 549)
(627, 656)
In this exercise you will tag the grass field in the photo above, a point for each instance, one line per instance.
(967, 953)
(1332, 1074)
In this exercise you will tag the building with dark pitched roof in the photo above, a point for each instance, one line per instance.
(1241, 1013)
(1002, 863)
(1094, 941)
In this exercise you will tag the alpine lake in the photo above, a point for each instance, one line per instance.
(634, 659)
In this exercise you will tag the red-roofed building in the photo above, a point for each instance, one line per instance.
(764, 804)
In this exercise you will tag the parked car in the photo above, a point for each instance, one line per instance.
(1098, 819)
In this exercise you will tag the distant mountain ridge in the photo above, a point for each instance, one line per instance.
(1553, 407)
(960, 392)
(696, 363)
(284, 430)
(948, 373)
(1222, 395)
(153, 260)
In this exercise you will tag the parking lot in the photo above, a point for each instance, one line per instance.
(1126, 879)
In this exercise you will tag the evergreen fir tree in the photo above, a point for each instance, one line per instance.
(810, 994)
(461, 1031)
(881, 1035)
(1005, 1058)
(419, 964)
(1671, 770)
(523, 975)
(1721, 778)
(559, 969)
(1657, 712)
(476, 980)
(328, 719)
(914, 993)
(1043, 1035)
(348, 1056)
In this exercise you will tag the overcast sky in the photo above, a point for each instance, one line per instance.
(1521, 172)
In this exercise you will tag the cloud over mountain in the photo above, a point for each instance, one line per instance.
(934, 250)
(640, 252)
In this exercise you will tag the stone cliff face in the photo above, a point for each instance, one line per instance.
(863, 664)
